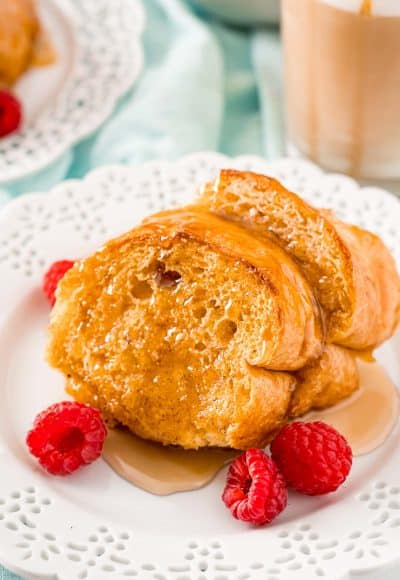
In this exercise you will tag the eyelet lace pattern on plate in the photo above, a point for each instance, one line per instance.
(110, 60)
(43, 533)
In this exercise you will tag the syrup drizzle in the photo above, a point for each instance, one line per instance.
(162, 470)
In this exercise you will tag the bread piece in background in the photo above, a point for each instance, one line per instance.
(19, 27)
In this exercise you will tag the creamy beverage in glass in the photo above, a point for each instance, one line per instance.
(342, 82)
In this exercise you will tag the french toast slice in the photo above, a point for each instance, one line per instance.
(165, 330)
(351, 270)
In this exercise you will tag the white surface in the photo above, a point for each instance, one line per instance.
(99, 58)
(244, 12)
(93, 524)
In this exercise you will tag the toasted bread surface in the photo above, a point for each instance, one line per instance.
(335, 258)
(326, 381)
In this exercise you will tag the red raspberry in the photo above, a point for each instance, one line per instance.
(10, 113)
(313, 457)
(52, 278)
(65, 436)
(255, 490)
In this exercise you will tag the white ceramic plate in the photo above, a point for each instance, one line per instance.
(99, 56)
(244, 13)
(95, 525)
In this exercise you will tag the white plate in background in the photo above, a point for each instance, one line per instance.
(100, 56)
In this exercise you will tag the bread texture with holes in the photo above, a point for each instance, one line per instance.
(19, 27)
(166, 329)
(351, 270)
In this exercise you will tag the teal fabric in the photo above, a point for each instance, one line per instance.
(205, 86)
(6, 575)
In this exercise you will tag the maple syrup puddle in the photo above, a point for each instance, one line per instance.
(365, 419)
(162, 470)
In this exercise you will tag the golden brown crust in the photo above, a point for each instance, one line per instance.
(377, 287)
(337, 263)
(326, 381)
(260, 414)
(256, 409)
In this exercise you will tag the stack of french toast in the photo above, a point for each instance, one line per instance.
(214, 324)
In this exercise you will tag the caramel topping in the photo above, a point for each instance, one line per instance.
(366, 8)
(364, 355)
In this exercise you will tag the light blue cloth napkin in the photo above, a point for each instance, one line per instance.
(205, 86)
(6, 575)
